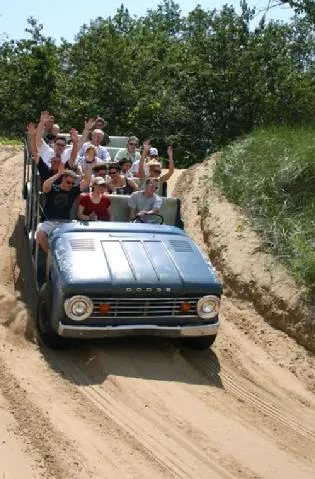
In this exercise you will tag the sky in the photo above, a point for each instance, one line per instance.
(63, 18)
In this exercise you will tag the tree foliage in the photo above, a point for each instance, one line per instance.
(197, 81)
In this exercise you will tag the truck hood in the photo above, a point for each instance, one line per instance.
(132, 262)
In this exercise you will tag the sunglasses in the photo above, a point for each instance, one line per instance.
(133, 144)
(156, 171)
(112, 172)
(70, 182)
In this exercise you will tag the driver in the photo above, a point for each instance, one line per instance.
(145, 202)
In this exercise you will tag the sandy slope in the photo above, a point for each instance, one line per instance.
(142, 408)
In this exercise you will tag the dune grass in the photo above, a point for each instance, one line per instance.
(10, 141)
(271, 174)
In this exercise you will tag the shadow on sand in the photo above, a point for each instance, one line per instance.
(24, 281)
(157, 359)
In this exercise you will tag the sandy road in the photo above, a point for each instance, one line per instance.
(143, 408)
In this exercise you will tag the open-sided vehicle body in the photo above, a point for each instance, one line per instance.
(119, 278)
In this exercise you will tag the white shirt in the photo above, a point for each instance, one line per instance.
(134, 170)
(47, 153)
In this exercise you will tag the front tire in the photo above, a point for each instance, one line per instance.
(43, 320)
(199, 343)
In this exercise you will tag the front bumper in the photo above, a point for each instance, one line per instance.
(79, 331)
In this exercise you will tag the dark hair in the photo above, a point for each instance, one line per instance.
(114, 166)
(122, 161)
(61, 138)
(99, 167)
(50, 137)
(151, 180)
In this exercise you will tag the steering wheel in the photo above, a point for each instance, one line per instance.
(153, 219)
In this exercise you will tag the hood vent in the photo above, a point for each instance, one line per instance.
(180, 246)
(82, 244)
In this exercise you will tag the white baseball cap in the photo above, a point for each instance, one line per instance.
(98, 180)
(153, 152)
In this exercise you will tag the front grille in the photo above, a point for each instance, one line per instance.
(141, 308)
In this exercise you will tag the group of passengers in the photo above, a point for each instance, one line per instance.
(84, 172)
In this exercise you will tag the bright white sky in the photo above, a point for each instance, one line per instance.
(63, 18)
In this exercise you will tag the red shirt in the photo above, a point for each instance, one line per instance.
(99, 208)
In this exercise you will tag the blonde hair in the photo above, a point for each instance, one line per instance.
(91, 148)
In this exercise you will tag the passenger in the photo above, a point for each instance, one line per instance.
(89, 158)
(100, 170)
(153, 154)
(125, 166)
(154, 167)
(145, 202)
(118, 184)
(145, 155)
(95, 205)
(48, 126)
(59, 201)
(50, 134)
(101, 152)
(99, 124)
(60, 146)
(55, 130)
(50, 139)
(45, 170)
(130, 152)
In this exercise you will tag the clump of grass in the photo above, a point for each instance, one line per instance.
(10, 141)
(271, 174)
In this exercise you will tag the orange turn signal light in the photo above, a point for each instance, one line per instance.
(185, 307)
(104, 308)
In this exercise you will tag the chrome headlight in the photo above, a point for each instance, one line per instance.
(78, 308)
(208, 307)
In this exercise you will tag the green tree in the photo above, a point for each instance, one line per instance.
(28, 78)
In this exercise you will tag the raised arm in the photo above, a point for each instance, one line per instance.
(171, 166)
(40, 128)
(74, 150)
(88, 125)
(31, 130)
(47, 185)
(86, 180)
(145, 151)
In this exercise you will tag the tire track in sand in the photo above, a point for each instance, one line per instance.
(180, 457)
(242, 389)
(56, 451)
